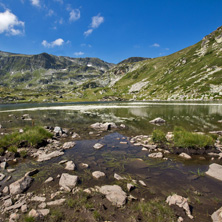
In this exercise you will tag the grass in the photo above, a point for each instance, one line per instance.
(32, 135)
(79, 201)
(158, 136)
(56, 215)
(29, 219)
(97, 215)
(198, 173)
(185, 139)
(155, 210)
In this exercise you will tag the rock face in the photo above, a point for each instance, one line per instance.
(20, 185)
(43, 156)
(114, 194)
(98, 174)
(67, 181)
(181, 202)
(68, 145)
(158, 120)
(217, 215)
(103, 126)
(215, 171)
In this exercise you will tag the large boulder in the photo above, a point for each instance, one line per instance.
(114, 194)
(217, 215)
(215, 171)
(67, 181)
(20, 185)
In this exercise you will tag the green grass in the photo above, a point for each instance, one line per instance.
(158, 136)
(198, 173)
(29, 219)
(97, 215)
(185, 139)
(155, 210)
(31, 135)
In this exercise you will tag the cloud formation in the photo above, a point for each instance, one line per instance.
(10, 24)
(155, 45)
(88, 32)
(35, 3)
(57, 42)
(79, 53)
(74, 15)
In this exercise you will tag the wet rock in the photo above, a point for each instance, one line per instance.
(20, 185)
(68, 145)
(181, 202)
(185, 156)
(118, 177)
(217, 215)
(130, 187)
(158, 120)
(103, 126)
(70, 165)
(98, 146)
(2, 176)
(44, 156)
(98, 174)
(56, 202)
(67, 181)
(114, 194)
(215, 171)
(50, 179)
(156, 155)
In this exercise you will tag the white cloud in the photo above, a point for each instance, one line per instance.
(79, 53)
(88, 32)
(9, 22)
(50, 13)
(57, 42)
(35, 3)
(97, 21)
(155, 45)
(74, 15)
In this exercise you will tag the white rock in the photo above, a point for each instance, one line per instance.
(68, 145)
(44, 212)
(5, 190)
(142, 183)
(75, 136)
(67, 181)
(38, 199)
(217, 215)
(181, 202)
(98, 146)
(169, 136)
(24, 208)
(44, 156)
(114, 194)
(156, 155)
(98, 174)
(63, 161)
(50, 179)
(103, 126)
(180, 219)
(42, 205)
(14, 217)
(2, 176)
(84, 165)
(185, 156)
(118, 177)
(70, 165)
(10, 170)
(215, 171)
(34, 213)
(8, 202)
(158, 120)
(144, 149)
(130, 186)
(56, 202)
(3, 165)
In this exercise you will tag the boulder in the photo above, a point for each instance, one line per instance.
(98, 174)
(47, 156)
(215, 171)
(158, 120)
(20, 185)
(156, 155)
(98, 146)
(181, 202)
(217, 215)
(114, 194)
(70, 165)
(185, 156)
(103, 126)
(67, 181)
(68, 145)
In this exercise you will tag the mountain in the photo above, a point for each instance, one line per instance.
(194, 73)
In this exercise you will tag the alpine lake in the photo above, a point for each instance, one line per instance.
(163, 177)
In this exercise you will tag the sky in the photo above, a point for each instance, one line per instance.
(111, 30)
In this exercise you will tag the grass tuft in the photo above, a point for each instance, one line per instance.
(158, 136)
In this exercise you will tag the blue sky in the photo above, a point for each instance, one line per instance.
(111, 30)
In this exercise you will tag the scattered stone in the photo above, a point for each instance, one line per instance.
(58, 131)
(44, 212)
(43, 156)
(67, 181)
(150, 147)
(20, 185)
(68, 145)
(84, 165)
(180, 219)
(15, 206)
(114, 194)
(131, 198)
(70, 165)
(123, 126)
(21, 131)
(24, 208)
(38, 199)
(34, 213)
(50, 179)
(217, 215)
(185, 156)
(130, 187)
(142, 183)
(156, 155)
(32, 172)
(103, 126)
(98, 146)
(181, 202)
(42, 205)
(98, 174)
(215, 171)
(8, 178)
(2, 176)
(158, 120)
(56, 202)
(118, 177)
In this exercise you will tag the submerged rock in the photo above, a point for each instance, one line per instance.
(181, 202)
(217, 215)
(67, 181)
(114, 194)
(215, 171)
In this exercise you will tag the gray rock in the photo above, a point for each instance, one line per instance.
(114, 194)
(118, 177)
(5, 190)
(42, 205)
(84, 165)
(44, 212)
(70, 165)
(24, 208)
(35, 213)
(67, 181)
(158, 120)
(98, 174)
(50, 179)
(38, 199)
(3, 165)
(142, 183)
(156, 155)
(103, 126)
(58, 130)
(68, 145)
(56, 202)
(98, 146)
(2, 176)
(75, 136)
(217, 215)
(181, 202)
(43, 156)
(215, 171)
(20, 185)
(15, 206)
(185, 156)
